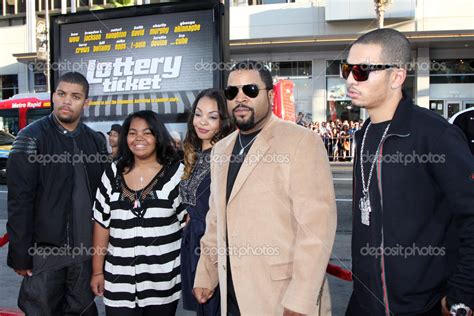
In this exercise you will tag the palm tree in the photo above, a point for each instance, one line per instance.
(380, 6)
(114, 4)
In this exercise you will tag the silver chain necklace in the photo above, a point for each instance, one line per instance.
(364, 202)
(242, 148)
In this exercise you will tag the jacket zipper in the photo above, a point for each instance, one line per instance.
(382, 258)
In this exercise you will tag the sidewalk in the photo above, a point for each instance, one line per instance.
(340, 290)
(341, 164)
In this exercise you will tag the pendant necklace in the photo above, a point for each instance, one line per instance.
(364, 202)
(242, 148)
(137, 203)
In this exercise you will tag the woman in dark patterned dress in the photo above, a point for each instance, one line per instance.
(208, 123)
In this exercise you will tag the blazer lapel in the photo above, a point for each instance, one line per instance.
(223, 159)
(259, 148)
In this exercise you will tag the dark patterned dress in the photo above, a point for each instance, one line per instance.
(195, 193)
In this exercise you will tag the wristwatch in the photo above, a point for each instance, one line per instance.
(460, 310)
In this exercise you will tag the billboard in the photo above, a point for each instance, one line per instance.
(145, 57)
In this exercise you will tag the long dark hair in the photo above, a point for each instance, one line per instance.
(192, 143)
(165, 151)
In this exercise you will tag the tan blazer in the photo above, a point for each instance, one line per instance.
(281, 221)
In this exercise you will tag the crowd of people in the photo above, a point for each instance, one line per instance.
(237, 225)
(338, 137)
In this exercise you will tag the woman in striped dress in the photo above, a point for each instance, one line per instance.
(138, 215)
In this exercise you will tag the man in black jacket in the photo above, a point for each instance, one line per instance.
(53, 172)
(412, 180)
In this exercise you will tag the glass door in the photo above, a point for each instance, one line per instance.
(468, 104)
(437, 106)
(451, 108)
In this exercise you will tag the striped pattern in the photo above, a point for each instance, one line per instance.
(115, 107)
(142, 267)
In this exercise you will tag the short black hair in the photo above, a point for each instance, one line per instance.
(262, 69)
(395, 46)
(76, 78)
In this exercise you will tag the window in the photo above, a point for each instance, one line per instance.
(35, 114)
(8, 86)
(452, 71)
(40, 82)
(292, 68)
(273, 1)
(332, 67)
(9, 121)
(239, 3)
(437, 106)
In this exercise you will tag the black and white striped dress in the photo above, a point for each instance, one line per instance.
(142, 267)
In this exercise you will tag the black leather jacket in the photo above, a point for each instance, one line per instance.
(40, 178)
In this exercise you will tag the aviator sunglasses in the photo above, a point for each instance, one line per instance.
(361, 72)
(250, 90)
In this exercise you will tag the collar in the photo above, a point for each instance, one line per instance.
(266, 132)
(401, 121)
(53, 119)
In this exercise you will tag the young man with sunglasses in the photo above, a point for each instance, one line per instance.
(270, 227)
(412, 183)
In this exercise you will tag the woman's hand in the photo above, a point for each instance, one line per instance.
(97, 284)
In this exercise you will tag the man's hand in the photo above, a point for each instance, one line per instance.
(444, 307)
(287, 312)
(26, 272)
(445, 310)
(202, 295)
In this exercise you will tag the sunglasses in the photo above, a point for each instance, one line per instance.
(361, 72)
(250, 90)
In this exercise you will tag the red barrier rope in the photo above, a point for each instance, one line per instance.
(339, 272)
(5, 311)
(333, 270)
(3, 240)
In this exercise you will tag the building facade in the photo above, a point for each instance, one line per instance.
(305, 41)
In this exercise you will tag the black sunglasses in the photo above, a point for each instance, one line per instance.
(250, 90)
(361, 72)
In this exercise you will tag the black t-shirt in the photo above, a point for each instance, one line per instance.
(373, 232)
(236, 160)
(372, 142)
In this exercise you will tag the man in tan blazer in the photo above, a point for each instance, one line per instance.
(272, 218)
